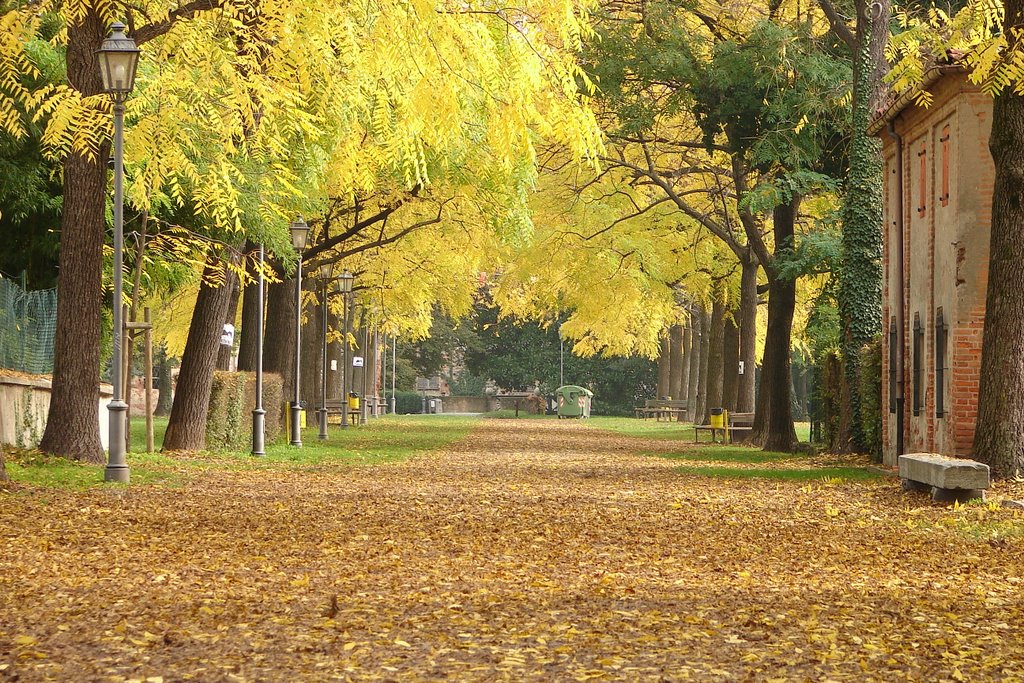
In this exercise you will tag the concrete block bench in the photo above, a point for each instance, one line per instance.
(948, 479)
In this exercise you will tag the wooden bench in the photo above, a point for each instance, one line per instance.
(737, 429)
(947, 479)
(662, 408)
(334, 407)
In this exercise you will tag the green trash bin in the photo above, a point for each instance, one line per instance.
(573, 401)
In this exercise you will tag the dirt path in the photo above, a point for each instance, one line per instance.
(532, 550)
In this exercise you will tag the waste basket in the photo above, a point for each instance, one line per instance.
(719, 418)
(353, 400)
(573, 401)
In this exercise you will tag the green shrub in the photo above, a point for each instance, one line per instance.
(406, 402)
(232, 399)
(870, 386)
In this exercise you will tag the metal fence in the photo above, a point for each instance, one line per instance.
(27, 324)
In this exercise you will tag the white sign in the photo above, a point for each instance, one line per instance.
(334, 364)
(357, 361)
(741, 367)
(227, 337)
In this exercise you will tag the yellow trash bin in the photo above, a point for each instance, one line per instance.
(719, 418)
(353, 402)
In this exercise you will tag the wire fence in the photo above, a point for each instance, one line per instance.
(27, 324)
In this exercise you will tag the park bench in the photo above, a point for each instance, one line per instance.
(737, 428)
(659, 408)
(947, 479)
(336, 405)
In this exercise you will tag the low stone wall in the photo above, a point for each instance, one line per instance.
(24, 404)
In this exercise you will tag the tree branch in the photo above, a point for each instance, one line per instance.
(839, 27)
(150, 31)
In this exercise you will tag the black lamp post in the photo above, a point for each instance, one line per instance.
(299, 230)
(259, 415)
(345, 287)
(326, 270)
(118, 57)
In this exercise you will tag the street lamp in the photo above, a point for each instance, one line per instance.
(118, 57)
(326, 270)
(299, 230)
(345, 287)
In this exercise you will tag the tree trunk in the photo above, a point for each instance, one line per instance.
(773, 420)
(746, 386)
(860, 278)
(72, 427)
(279, 342)
(705, 352)
(683, 386)
(675, 386)
(693, 367)
(730, 361)
(251, 319)
(312, 346)
(664, 366)
(716, 351)
(163, 369)
(186, 430)
(999, 434)
(224, 351)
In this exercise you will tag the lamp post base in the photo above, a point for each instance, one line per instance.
(323, 424)
(117, 469)
(296, 427)
(259, 432)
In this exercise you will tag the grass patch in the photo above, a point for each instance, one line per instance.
(793, 474)
(138, 433)
(385, 439)
(644, 429)
(727, 454)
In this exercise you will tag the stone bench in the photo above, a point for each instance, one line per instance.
(947, 479)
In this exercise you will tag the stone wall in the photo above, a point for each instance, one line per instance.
(24, 403)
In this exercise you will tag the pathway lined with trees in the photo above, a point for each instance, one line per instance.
(527, 550)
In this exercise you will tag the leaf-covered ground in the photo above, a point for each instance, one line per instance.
(528, 550)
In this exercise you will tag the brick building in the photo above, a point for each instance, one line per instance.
(938, 188)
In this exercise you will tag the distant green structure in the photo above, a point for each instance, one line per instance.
(573, 401)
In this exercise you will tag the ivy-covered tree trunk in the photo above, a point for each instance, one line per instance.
(716, 355)
(186, 429)
(730, 361)
(999, 435)
(746, 388)
(72, 427)
(773, 421)
(675, 389)
(860, 278)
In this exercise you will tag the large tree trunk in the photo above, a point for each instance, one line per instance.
(664, 366)
(72, 427)
(163, 371)
(312, 347)
(683, 385)
(773, 421)
(716, 350)
(746, 386)
(675, 387)
(251, 320)
(860, 278)
(693, 367)
(999, 434)
(705, 352)
(186, 430)
(730, 361)
(224, 350)
(279, 342)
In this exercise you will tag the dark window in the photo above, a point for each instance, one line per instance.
(922, 180)
(892, 365)
(940, 363)
(918, 364)
(944, 197)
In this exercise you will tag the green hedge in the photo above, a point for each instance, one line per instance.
(406, 402)
(870, 389)
(232, 399)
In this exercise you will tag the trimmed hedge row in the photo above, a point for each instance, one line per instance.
(232, 399)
